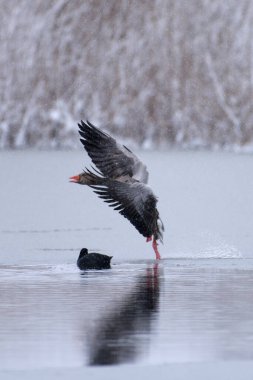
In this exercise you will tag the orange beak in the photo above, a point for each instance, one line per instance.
(75, 179)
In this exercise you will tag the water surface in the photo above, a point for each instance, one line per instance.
(193, 306)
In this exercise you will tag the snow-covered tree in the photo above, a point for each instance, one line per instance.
(159, 71)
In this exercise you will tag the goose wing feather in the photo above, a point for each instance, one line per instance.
(112, 159)
(135, 201)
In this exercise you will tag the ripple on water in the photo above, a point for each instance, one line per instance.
(175, 310)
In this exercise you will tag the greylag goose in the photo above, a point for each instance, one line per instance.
(120, 179)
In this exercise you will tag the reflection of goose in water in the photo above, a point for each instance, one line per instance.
(125, 331)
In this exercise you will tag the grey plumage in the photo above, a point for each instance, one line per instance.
(121, 180)
(112, 159)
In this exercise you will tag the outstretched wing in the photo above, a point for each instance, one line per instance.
(112, 159)
(135, 201)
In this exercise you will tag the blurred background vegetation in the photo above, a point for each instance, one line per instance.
(157, 72)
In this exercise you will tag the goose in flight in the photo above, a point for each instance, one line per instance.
(120, 179)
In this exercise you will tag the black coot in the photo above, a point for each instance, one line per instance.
(93, 260)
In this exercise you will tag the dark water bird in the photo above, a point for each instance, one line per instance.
(120, 180)
(93, 260)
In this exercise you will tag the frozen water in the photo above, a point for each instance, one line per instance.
(205, 202)
(193, 306)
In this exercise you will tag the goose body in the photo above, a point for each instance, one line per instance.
(120, 179)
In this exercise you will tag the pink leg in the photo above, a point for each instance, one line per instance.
(149, 238)
(157, 254)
